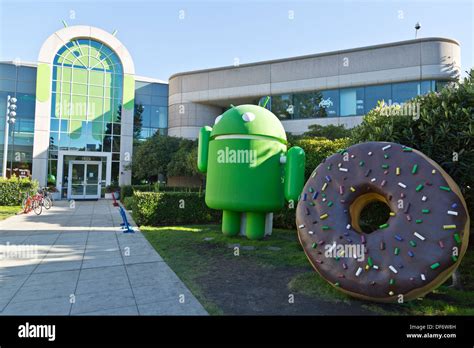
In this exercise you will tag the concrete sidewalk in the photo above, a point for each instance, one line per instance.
(74, 260)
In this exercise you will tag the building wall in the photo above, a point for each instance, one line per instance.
(196, 98)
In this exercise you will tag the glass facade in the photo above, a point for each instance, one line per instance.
(153, 97)
(346, 101)
(18, 82)
(86, 102)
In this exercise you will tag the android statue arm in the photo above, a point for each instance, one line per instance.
(203, 148)
(294, 173)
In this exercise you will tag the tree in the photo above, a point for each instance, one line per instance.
(152, 157)
(184, 160)
(441, 125)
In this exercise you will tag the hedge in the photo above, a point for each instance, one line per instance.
(128, 203)
(172, 208)
(13, 190)
(127, 190)
(166, 208)
(317, 149)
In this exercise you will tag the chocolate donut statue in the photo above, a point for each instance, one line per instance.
(416, 250)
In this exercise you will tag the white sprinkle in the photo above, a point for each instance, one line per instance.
(422, 276)
(386, 147)
(373, 179)
(375, 267)
(301, 226)
(424, 198)
(310, 232)
(359, 270)
(339, 165)
(393, 269)
(370, 153)
(324, 199)
(419, 236)
(348, 227)
(450, 212)
(401, 184)
(343, 169)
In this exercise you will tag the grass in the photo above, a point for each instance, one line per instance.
(311, 284)
(182, 248)
(7, 211)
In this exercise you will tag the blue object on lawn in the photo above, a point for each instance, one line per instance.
(125, 225)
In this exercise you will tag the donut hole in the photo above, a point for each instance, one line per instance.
(368, 212)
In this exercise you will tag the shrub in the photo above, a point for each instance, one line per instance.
(285, 218)
(171, 208)
(128, 190)
(13, 190)
(128, 203)
(445, 127)
(317, 149)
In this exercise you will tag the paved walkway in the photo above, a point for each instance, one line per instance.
(74, 260)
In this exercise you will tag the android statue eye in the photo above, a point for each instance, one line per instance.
(218, 118)
(248, 117)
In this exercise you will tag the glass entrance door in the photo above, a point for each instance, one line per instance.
(84, 180)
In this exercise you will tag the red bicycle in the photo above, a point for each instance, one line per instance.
(34, 203)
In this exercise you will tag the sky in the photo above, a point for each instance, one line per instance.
(167, 37)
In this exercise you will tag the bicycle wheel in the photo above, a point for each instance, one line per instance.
(37, 206)
(47, 203)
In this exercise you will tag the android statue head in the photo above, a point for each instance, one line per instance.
(249, 170)
(249, 120)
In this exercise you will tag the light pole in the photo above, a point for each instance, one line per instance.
(9, 118)
(417, 27)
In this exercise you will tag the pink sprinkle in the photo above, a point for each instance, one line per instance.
(408, 217)
(385, 172)
(383, 183)
(362, 238)
(319, 261)
(341, 190)
(441, 244)
(344, 266)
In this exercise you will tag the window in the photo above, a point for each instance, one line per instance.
(374, 94)
(401, 92)
(329, 104)
(307, 105)
(352, 101)
(282, 106)
(87, 95)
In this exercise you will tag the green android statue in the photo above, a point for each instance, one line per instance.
(249, 169)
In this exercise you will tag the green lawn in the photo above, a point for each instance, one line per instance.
(190, 250)
(7, 211)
